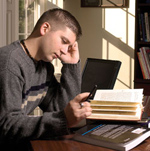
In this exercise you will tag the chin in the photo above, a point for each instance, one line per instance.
(48, 60)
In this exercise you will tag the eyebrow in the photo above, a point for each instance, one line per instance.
(66, 39)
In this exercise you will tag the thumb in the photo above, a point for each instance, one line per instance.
(81, 97)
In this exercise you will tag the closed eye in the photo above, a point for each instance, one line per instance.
(65, 41)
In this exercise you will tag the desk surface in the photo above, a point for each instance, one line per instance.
(67, 144)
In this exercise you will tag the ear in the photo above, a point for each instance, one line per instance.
(45, 28)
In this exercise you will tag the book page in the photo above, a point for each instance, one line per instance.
(131, 95)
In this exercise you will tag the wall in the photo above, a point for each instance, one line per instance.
(9, 21)
(107, 34)
(3, 22)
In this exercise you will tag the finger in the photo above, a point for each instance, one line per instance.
(81, 105)
(75, 45)
(73, 48)
(84, 104)
(86, 109)
(81, 97)
(85, 112)
(82, 114)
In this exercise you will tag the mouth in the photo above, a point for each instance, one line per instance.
(56, 56)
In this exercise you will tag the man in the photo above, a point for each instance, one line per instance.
(27, 80)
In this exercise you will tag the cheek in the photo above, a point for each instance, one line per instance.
(52, 45)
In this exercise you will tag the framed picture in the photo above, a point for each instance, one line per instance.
(90, 3)
(105, 3)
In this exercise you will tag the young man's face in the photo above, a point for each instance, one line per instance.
(56, 43)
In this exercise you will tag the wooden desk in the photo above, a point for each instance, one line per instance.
(67, 144)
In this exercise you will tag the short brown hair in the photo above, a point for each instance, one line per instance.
(59, 17)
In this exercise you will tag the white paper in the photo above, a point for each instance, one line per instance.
(131, 95)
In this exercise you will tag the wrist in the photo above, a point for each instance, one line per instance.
(74, 62)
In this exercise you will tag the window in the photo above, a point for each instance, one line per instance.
(27, 17)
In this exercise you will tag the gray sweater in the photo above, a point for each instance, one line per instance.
(24, 85)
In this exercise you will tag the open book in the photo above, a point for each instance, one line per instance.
(124, 104)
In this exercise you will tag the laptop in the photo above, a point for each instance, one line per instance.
(100, 72)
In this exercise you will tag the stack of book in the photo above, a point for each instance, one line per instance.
(144, 61)
(123, 104)
(106, 129)
(144, 25)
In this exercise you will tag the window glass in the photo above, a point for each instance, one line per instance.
(26, 17)
(21, 17)
(30, 17)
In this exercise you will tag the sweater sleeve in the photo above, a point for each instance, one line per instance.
(15, 125)
(59, 94)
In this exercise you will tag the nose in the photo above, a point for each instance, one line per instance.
(65, 49)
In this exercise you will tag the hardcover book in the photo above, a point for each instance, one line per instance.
(142, 65)
(146, 60)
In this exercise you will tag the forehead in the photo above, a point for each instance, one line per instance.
(69, 35)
